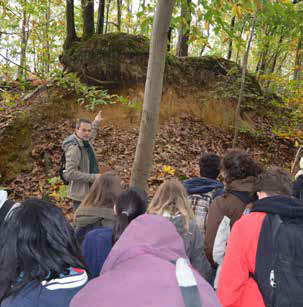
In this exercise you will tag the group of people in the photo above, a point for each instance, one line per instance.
(195, 243)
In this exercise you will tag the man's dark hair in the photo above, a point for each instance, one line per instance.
(36, 243)
(210, 165)
(275, 181)
(238, 164)
(82, 120)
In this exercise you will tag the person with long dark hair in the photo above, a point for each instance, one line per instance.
(98, 243)
(40, 259)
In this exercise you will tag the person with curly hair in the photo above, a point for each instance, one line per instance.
(240, 172)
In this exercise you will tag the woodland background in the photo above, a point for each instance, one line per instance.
(38, 36)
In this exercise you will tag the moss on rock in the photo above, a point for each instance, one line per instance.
(122, 59)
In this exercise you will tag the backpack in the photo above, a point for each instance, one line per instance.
(200, 204)
(67, 142)
(279, 261)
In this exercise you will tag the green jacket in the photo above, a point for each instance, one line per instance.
(77, 166)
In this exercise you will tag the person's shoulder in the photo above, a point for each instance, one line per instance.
(249, 221)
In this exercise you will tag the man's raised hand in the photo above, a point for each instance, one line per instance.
(99, 116)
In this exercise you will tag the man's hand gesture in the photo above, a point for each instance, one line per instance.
(99, 116)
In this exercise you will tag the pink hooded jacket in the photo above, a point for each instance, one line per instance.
(139, 272)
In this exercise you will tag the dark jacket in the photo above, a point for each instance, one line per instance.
(96, 246)
(236, 286)
(57, 292)
(226, 205)
(87, 219)
(203, 185)
(194, 246)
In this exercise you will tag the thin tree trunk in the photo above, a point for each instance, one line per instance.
(282, 62)
(239, 48)
(230, 46)
(169, 38)
(299, 58)
(88, 18)
(107, 15)
(244, 68)
(205, 45)
(21, 70)
(152, 95)
(277, 53)
(101, 11)
(119, 13)
(71, 35)
(182, 45)
(47, 49)
(129, 16)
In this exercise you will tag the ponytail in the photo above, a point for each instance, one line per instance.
(130, 204)
(122, 222)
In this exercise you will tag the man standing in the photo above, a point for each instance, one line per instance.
(81, 167)
(202, 190)
(264, 255)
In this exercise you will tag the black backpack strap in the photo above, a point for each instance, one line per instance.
(187, 283)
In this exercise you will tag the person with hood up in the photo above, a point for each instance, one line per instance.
(264, 255)
(202, 190)
(240, 172)
(147, 267)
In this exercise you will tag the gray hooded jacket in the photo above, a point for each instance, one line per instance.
(77, 165)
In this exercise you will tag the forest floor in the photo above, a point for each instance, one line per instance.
(179, 145)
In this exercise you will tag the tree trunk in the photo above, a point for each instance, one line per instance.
(152, 94)
(239, 47)
(205, 45)
(244, 68)
(182, 45)
(47, 49)
(230, 46)
(24, 39)
(71, 35)
(101, 11)
(299, 58)
(107, 15)
(276, 55)
(169, 38)
(119, 13)
(88, 18)
(279, 69)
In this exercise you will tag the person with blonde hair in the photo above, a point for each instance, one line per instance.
(96, 210)
(170, 201)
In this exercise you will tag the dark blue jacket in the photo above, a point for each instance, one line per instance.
(200, 185)
(56, 292)
(96, 246)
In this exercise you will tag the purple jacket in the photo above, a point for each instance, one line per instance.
(139, 272)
